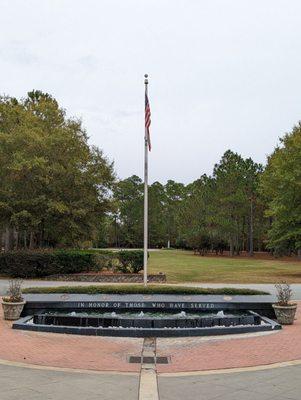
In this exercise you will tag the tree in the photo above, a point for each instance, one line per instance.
(157, 215)
(230, 198)
(129, 199)
(252, 175)
(236, 198)
(204, 215)
(175, 193)
(54, 186)
(196, 221)
(281, 186)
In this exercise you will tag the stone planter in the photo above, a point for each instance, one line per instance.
(12, 311)
(285, 314)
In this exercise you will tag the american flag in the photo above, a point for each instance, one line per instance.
(147, 122)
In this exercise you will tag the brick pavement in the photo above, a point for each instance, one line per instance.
(67, 351)
(199, 354)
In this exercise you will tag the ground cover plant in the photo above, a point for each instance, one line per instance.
(140, 289)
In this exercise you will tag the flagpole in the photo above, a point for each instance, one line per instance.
(145, 234)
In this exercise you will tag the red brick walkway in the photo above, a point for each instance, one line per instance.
(110, 354)
(68, 351)
(195, 354)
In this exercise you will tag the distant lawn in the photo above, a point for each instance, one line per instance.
(140, 289)
(184, 266)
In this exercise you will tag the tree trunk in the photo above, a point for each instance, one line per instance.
(31, 240)
(251, 231)
(2, 237)
(8, 241)
(231, 246)
(25, 239)
(16, 235)
(237, 246)
(259, 247)
(243, 236)
(299, 254)
(115, 232)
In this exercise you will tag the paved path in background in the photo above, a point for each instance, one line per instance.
(259, 286)
(266, 287)
(271, 384)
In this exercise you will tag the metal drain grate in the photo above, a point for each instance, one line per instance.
(148, 360)
(162, 360)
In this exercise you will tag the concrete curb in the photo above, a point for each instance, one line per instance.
(61, 369)
(230, 370)
(162, 374)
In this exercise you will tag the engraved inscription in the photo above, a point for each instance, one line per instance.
(155, 305)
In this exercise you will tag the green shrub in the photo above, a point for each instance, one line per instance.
(38, 264)
(27, 265)
(69, 262)
(107, 260)
(131, 261)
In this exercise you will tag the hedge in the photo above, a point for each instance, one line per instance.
(140, 289)
(38, 264)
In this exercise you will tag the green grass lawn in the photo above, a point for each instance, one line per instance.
(184, 266)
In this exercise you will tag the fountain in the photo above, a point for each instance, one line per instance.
(142, 316)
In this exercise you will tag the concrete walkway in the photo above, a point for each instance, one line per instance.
(18, 383)
(266, 287)
(281, 383)
(271, 384)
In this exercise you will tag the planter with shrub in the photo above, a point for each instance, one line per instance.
(285, 310)
(13, 303)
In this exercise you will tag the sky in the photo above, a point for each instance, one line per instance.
(223, 74)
